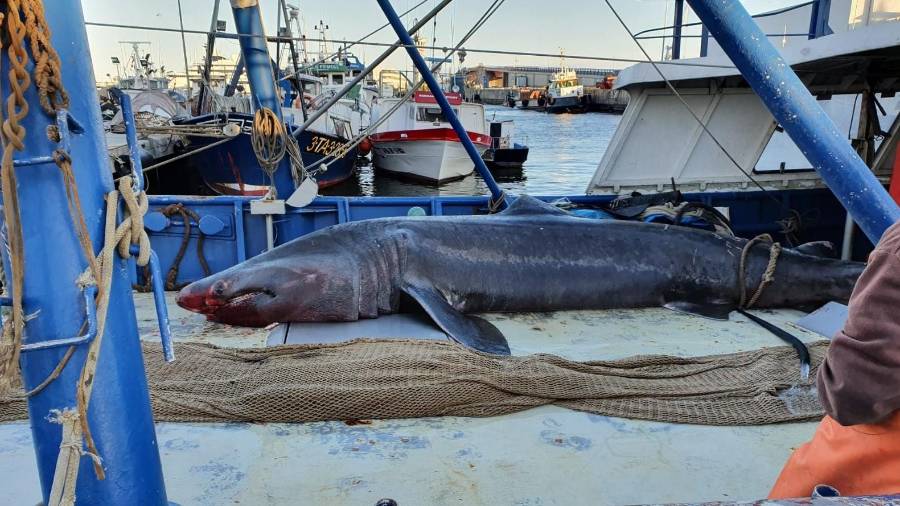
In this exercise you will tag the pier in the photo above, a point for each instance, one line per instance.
(495, 84)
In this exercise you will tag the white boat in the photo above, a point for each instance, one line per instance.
(565, 92)
(418, 142)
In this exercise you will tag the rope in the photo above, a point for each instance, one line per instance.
(496, 205)
(269, 142)
(130, 232)
(768, 275)
(13, 141)
(186, 215)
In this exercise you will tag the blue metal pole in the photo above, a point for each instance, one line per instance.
(676, 30)
(119, 415)
(441, 99)
(797, 112)
(704, 41)
(255, 51)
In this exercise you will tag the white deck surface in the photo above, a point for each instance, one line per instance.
(543, 456)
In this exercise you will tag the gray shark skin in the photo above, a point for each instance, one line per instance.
(531, 257)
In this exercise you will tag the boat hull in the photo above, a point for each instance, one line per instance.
(506, 158)
(570, 104)
(232, 169)
(434, 157)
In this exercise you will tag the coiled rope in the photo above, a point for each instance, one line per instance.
(269, 142)
(130, 232)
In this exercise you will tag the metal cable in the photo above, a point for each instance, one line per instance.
(342, 151)
(688, 107)
(389, 44)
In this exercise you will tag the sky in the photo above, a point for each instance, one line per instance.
(577, 27)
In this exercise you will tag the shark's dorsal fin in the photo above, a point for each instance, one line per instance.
(526, 205)
(824, 249)
(471, 331)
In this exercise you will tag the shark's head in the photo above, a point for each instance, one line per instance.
(278, 288)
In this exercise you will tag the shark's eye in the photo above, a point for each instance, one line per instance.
(218, 288)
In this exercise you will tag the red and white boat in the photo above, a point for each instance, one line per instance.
(417, 141)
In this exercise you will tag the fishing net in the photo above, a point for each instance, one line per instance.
(368, 379)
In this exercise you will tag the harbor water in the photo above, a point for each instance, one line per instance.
(565, 150)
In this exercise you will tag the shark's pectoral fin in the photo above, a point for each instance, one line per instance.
(716, 310)
(470, 331)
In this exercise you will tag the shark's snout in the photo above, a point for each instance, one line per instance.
(222, 301)
(201, 297)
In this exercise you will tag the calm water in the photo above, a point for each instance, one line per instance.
(564, 152)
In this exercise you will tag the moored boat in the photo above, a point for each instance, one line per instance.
(504, 154)
(232, 168)
(418, 142)
(565, 93)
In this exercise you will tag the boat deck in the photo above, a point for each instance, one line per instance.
(548, 455)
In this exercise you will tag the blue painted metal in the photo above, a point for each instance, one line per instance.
(66, 125)
(704, 41)
(258, 63)
(235, 161)
(90, 315)
(53, 263)
(818, 20)
(751, 212)
(159, 301)
(797, 111)
(235, 77)
(441, 99)
(137, 167)
(676, 29)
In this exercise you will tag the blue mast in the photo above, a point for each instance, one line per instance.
(258, 63)
(422, 67)
(119, 414)
(797, 112)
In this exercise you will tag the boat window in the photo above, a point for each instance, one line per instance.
(432, 114)
(337, 79)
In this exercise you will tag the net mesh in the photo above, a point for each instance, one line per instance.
(367, 379)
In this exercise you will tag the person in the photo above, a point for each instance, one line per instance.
(856, 448)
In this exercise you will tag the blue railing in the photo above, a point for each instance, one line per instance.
(818, 26)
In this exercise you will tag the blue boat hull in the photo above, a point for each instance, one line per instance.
(231, 168)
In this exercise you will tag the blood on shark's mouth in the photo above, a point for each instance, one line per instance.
(212, 303)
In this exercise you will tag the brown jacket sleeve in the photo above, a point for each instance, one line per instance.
(859, 382)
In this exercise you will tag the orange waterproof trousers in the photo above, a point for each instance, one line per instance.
(856, 460)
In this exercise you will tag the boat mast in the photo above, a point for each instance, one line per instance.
(258, 65)
(119, 414)
(207, 62)
(295, 80)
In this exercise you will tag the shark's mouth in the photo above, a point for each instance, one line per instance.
(244, 308)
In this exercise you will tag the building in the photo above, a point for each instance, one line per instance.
(484, 76)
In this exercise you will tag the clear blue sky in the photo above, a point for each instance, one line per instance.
(583, 27)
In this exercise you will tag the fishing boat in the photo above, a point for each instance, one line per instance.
(504, 153)
(418, 142)
(231, 168)
(740, 154)
(152, 101)
(565, 93)
(226, 162)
